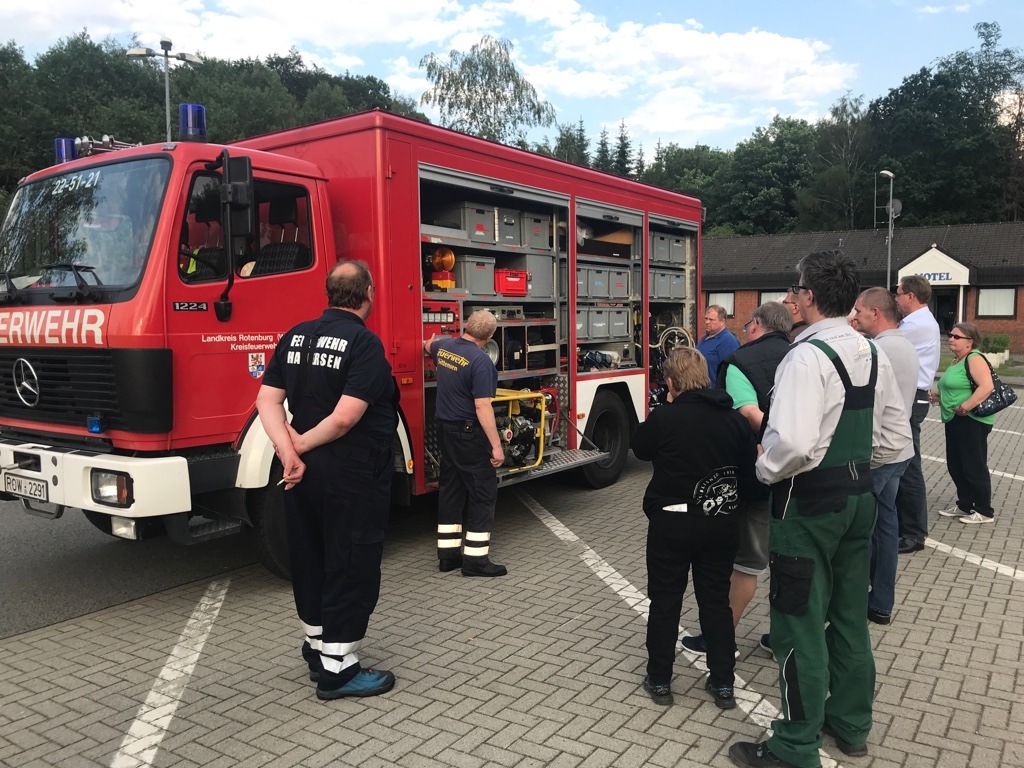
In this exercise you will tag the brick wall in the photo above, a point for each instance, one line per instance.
(1012, 326)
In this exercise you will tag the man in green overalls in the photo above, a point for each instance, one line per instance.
(835, 407)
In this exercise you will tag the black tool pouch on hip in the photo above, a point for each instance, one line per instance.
(790, 587)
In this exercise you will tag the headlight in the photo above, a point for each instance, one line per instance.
(114, 489)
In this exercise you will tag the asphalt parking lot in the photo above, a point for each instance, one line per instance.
(540, 668)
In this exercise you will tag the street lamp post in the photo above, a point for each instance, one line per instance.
(165, 46)
(888, 262)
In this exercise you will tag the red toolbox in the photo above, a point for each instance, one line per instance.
(510, 282)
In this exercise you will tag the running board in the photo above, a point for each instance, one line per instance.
(553, 462)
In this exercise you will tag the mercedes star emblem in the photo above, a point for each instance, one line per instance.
(26, 382)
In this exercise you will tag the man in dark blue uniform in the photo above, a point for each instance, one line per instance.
(339, 388)
(471, 448)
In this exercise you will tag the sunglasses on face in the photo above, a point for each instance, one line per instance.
(955, 336)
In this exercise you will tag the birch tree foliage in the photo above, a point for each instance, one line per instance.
(481, 92)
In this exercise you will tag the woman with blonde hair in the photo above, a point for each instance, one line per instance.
(703, 456)
(966, 433)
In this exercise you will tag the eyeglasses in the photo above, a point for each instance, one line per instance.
(795, 289)
(955, 336)
(750, 322)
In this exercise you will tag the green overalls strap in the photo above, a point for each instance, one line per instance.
(821, 527)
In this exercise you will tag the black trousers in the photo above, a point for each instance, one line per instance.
(336, 519)
(967, 461)
(678, 542)
(469, 486)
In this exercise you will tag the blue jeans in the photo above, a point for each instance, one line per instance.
(885, 539)
(912, 501)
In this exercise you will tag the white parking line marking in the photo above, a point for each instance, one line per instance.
(140, 744)
(991, 471)
(984, 562)
(757, 707)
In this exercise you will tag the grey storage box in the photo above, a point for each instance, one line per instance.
(618, 283)
(677, 285)
(581, 281)
(660, 248)
(536, 231)
(509, 229)
(476, 220)
(475, 275)
(619, 324)
(660, 285)
(581, 323)
(597, 283)
(540, 274)
(597, 323)
(677, 249)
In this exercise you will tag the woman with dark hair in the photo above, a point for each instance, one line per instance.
(966, 433)
(703, 454)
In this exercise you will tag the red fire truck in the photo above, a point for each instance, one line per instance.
(144, 290)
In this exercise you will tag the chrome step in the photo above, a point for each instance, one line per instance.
(555, 461)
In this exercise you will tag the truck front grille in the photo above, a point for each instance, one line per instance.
(129, 389)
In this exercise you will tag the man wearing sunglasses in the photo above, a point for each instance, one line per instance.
(919, 326)
(836, 409)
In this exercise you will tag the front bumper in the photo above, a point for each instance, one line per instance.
(160, 484)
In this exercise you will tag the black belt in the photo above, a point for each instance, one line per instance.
(463, 425)
(842, 479)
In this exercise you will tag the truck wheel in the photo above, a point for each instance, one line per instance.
(608, 429)
(270, 538)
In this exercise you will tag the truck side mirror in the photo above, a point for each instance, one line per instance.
(237, 192)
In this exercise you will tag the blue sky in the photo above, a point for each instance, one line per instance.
(675, 71)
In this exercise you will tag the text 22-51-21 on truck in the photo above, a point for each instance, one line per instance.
(143, 291)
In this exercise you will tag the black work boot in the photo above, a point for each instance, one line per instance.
(481, 566)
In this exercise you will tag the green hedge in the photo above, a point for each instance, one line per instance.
(997, 342)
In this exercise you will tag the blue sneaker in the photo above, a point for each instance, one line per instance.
(367, 682)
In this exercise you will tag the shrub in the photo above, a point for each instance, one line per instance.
(997, 342)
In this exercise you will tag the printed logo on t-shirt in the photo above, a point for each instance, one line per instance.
(717, 492)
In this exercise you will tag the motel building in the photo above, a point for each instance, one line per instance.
(976, 270)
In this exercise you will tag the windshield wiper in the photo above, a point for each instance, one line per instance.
(84, 292)
(13, 294)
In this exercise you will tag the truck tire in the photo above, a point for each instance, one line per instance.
(608, 429)
(270, 537)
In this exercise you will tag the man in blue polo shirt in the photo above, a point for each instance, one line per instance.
(718, 341)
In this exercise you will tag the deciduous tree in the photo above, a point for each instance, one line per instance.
(481, 92)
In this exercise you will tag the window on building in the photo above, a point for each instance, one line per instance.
(727, 300)
(997, 302)
(770, 296)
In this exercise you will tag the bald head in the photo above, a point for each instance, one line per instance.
(875, 311)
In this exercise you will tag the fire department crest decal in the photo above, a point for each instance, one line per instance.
(257, 364)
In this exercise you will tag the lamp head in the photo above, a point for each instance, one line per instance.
(140, 53)
(888, 174)
(165, 43)
(188, 58)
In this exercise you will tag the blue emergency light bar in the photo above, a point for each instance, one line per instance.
(191, 122)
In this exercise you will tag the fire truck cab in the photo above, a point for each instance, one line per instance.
(143, 292)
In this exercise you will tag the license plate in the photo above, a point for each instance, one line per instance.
(26, 487)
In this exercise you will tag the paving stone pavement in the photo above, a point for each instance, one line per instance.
(540, 668)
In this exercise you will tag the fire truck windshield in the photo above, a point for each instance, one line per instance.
(86, 229)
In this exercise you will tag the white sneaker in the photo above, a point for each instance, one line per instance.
(975, 517)
(953, 511)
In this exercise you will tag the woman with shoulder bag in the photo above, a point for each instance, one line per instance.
(966, 432)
